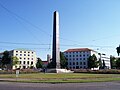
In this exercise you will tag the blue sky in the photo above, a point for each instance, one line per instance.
(83, 23)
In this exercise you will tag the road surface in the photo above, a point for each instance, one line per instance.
(60, 86)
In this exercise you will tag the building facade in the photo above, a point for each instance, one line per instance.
(78, 58)
(105, 61)
(27, 58)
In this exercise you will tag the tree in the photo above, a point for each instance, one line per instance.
(63, 61)
(118, 63)
(92, 62)
(113, 62)
(118, 50)
(100, 64)
(6, 59)
(15, 61)
(39, 63)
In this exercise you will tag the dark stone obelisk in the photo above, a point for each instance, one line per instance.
(56, 48)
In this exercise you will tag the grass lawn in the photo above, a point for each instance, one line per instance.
(62, 78)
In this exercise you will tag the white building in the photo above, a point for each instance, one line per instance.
(78, 58)
(27, 58)
(106, 60)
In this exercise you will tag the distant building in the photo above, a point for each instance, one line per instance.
(78, 58)
(105, 60)
(27, 58)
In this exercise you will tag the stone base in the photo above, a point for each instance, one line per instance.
(59, 71)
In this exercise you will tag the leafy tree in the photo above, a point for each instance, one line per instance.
(6, 59)
(39, 63)
(92, 62)
(15, 61)
(100, 64)
(113, 62)
(63, 61)
(118, 50)
(118, 63)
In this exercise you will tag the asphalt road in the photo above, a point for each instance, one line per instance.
(62, 86)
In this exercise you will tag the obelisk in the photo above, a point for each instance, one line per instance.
(56, 48)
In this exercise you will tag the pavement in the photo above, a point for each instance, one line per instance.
(60, 86)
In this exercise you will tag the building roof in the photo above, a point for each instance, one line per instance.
(79, 50)
(23, 49)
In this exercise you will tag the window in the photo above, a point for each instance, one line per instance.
(32, 52)
(80, 63)
(27, 62)
(70, 63)
(20, 51)
(73, 55)
(84, 63)
(80, 55)
(24, 54)
(24, 67)
(76, 63)
(16, 54)
(28, 54)
(76, 58)
(24, 58)
(69, 55)
(84, 55)
(16, 51)
(80, 58)
(76, 55)
(32, 63)
(83, 58)
(24, 51)
(77, 67)
(28, 58)
(20, 58)
(20, 62)
(20, 54)
(84, 67)
(32, 58)
(24, 62)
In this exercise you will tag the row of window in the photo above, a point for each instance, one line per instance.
(76, 55)
(24, 55)
(78, 59)
(77, 67)
(26, 58)
(77, 52)
(24, 62)
(77, 63)
(24, 52)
